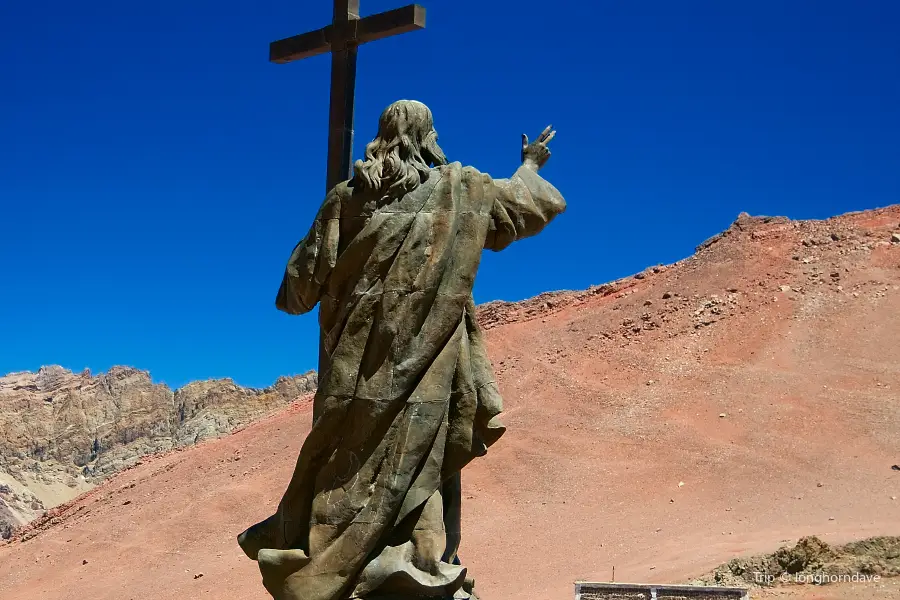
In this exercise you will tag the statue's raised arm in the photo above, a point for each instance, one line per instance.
(523, 204)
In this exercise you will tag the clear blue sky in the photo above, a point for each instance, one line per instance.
(156, 170)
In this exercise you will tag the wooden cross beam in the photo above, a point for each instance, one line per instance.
(346, 32)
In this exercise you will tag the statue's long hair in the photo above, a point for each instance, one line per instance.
(398, 159)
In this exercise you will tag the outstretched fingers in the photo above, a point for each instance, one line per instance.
(546, 134)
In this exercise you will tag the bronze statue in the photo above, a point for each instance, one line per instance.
(409, 397)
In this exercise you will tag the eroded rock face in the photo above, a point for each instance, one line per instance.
(9, 520)
(76, 421)
(61, 432)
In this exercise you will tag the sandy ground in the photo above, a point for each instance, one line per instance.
(739, 422)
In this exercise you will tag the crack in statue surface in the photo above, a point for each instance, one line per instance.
(409, 397)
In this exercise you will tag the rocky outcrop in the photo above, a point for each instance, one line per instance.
(62, 432)
(812, 561)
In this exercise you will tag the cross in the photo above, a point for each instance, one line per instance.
(346, 32)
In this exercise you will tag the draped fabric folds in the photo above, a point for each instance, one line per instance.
(372, 509)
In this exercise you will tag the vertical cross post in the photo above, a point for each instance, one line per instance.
(343, 88)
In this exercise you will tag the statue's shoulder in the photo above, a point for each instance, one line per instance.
(457, 169)
(334, 199)
(343, 190)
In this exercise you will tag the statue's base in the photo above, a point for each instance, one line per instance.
(466, 592)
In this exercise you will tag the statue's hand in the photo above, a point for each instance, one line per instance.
(535, 154)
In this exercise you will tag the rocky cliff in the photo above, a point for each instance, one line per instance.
(61, 432)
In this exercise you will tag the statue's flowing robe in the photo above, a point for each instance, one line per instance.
(372, 509)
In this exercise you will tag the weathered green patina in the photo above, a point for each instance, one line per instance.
(372, 510)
